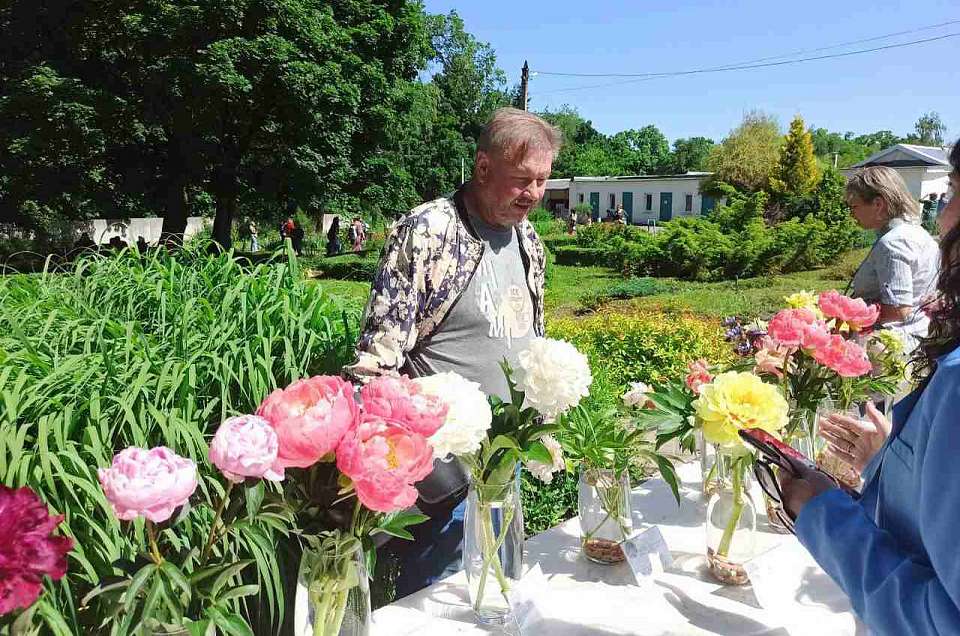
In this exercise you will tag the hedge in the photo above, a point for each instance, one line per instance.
(575, 255)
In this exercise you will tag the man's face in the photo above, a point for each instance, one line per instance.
(508, 190)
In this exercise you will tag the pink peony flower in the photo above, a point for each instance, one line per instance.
(246, 446)
(28, 549)
(847, 358)
(698, 376)
(402, 400)
(853, 312)
(148, 483)
(384, 460)
(310, 418)
(798, 328)
(771, 358)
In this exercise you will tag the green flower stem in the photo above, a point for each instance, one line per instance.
(610, 502)
(216, 520)
(737, 510)
(490, 546)
(154, 550)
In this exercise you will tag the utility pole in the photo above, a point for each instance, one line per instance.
(836, 158)
(524, 86)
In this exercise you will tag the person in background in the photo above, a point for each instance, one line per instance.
(333, 237)
(928, 214)
(621, 215)
(142, 245)
(901, 269)
(254, 237)
(893, 549)
(941, 203)
(296, 238)
(460, 288)
(286, 229)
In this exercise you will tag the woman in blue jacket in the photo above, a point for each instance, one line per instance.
(895, 550)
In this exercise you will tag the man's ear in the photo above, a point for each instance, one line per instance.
(481, 169)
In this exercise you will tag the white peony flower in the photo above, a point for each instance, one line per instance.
(544, 472)
(637, 395)
(468, 417)
(553, 375)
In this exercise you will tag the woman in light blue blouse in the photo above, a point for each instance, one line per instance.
(894, 549)
(901, 270)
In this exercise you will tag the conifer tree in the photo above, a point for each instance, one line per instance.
(797, 172)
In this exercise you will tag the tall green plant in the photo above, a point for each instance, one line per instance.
(147, 351)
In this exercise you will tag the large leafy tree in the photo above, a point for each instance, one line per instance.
(797, 172)
(689, 155)
(929, 130)
(257, 102)
(643, 151)
(748, 156)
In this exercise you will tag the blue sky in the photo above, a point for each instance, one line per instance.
(875, 91)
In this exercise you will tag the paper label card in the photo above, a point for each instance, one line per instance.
(527, 598)
(647, 555)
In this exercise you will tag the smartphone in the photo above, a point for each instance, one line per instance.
(773, 449)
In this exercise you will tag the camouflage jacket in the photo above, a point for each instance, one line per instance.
(427, 263)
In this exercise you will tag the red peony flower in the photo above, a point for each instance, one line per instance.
(28, 550)
(854, 312)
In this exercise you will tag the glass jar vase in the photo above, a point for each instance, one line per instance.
(606, 519)
(333, 577)
(493, 547)
(731, 523)
(708, 465)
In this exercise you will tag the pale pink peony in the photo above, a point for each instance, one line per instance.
(246, 446)
(698, 376)
(847, 358)
(384, 460)
(854, 312)
(772, 358)
(400, 399)
(310, 418)
(798, 328)
(148, 483)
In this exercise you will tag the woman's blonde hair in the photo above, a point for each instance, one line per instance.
(885, 182)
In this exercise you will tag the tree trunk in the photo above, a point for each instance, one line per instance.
(226, 203)
(176, 213)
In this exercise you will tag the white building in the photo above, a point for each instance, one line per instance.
(926, 169)
(644, 198)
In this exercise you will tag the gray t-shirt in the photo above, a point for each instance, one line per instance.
(491, 321)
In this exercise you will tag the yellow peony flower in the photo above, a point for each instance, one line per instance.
(804, 300)
(735, 401)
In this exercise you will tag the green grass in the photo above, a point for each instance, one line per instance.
(352, 293)
(570, 283)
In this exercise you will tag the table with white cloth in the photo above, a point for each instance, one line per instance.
(790, 594)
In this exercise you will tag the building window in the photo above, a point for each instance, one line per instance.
(649, 202)
(688, 203)
(580, 198)
(613, 201)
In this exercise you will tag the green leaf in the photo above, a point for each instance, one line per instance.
(177, 578)
(229, 623)
(228, 572)
(537, 452)
(255, 496)
(198, 628)
(136, 584)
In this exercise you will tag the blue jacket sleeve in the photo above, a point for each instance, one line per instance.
(895, 592)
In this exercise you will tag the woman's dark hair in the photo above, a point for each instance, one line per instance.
(944, 333)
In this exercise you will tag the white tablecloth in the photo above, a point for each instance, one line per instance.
(794, 597)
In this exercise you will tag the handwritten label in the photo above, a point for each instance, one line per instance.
(647, 555)
(527, 598)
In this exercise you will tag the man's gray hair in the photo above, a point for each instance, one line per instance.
(885, 182)
(514, 133)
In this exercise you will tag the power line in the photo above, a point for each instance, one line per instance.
(639, 77)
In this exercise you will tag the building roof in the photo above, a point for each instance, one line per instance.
(558, 184)
(907, 155)
(647, 177)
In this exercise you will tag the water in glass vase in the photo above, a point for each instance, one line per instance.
(492, 548)
(731, 524)
(605, 514)
(333, 573)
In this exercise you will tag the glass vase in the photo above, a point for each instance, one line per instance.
(605, 513)
(802, 435)
(492, 547)
(731, 523)
(708, 465)
(338, 589)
